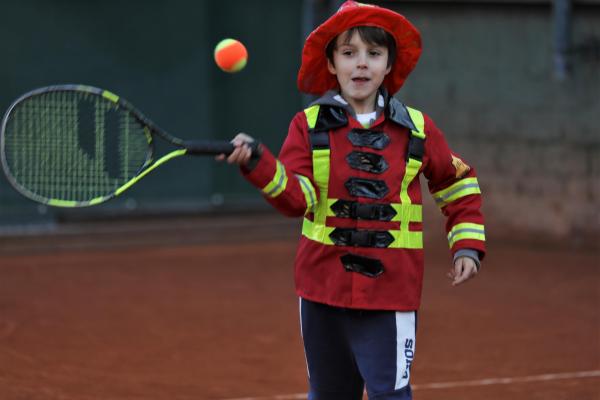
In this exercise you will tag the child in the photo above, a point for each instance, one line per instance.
(350, 166)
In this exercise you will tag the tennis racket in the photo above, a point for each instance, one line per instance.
(78, 146)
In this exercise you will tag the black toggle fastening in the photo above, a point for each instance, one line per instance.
(370, 188)
(370, 267)
(369, 162)
(355, 210)
(361, 238)
(369, 138)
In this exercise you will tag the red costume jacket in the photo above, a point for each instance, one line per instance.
(361, 245)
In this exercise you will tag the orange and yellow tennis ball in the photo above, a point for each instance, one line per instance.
(231, 55)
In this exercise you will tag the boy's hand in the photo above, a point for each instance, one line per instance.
(464, 269)
(242, 152)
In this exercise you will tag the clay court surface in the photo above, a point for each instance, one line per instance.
(206, 310)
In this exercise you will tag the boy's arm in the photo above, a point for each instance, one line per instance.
(455, 189)
(286, 182)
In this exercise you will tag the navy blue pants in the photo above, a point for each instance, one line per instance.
(347, 349)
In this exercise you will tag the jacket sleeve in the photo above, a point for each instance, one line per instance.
(287, 182)
(455, 189)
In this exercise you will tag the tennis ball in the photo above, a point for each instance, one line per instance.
(231, 55)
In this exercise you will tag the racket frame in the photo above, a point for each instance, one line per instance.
(197, 147)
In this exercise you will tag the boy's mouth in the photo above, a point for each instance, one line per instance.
(360, 79)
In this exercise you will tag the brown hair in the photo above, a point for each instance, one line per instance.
(369, 34)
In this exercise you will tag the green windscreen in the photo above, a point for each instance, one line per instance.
(65, 147)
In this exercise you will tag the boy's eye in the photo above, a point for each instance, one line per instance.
(347, 52)
(376, 52)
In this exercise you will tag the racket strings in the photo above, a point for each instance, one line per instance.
(73, 146)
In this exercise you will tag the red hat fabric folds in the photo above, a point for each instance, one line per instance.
(314, 77)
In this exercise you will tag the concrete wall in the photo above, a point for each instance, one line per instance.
(486, 77)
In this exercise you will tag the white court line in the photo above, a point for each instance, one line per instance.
(446, 385)
(506, 381)
(300, 396)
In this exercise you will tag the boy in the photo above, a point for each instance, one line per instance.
(350, 165)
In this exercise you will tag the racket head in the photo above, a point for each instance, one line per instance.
(73, 145)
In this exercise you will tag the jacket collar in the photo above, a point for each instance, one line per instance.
(395, 110)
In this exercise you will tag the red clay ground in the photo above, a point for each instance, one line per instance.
(206, 321)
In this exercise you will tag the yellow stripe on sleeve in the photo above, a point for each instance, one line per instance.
(462, 188)
(466, 230)
(278, 183)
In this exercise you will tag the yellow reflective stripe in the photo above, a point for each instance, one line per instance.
(317, 232)
(402, 239)
(408, 212)
(412, 169)
(406, 240)
(466, 230)
(404, 212)
(321, 168)
(330, 212)
(310, 195)
(462, 188)
(321, 177)
(311, 115)
(417, 118)
(412, 166)
(278, 183)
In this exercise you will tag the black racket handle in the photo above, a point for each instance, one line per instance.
(215, 147)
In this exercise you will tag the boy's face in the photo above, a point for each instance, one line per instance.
(360, 68)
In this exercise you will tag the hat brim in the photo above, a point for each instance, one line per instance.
(315, 78)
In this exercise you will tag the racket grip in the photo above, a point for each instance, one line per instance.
(215, 147)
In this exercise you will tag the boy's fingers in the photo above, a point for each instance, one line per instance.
(458, 272)
(240, 155)
(458, 269)
(460, 279)
(468, 272)
(234, 156)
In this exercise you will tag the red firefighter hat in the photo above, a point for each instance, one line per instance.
(315, 78)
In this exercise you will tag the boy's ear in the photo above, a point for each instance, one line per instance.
(387, 71)
(331, 67)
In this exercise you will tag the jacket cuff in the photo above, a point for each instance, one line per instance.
(472, 254)
(260, 171)
(254, 160)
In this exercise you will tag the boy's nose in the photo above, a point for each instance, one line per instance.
(362, 61)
